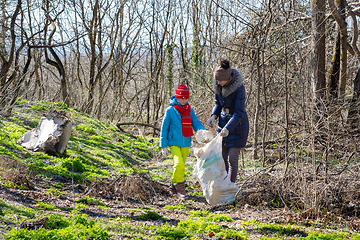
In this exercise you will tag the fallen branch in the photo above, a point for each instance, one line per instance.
(137, 123)
(275, 141)
(248, 193)
(345, 165)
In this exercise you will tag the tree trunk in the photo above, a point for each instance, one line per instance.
(318, 57)
(170, 68)
(286, 103)
(99, 65)
(265, 128)
(343, 35)
(318, 81)
(93, 56)
(334, 72)
(3, 20)
(57, 63)
(60, 67)
(7, 57)
(354, 111)
(257, 108)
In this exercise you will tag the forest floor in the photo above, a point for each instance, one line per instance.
(135, 202)
(257, 222)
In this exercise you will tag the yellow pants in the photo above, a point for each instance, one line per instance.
(179, 155)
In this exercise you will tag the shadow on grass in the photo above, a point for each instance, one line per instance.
(18, 198)
(282, 231)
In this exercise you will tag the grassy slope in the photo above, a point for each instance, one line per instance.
(97, 150)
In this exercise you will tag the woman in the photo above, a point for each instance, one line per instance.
(229, 107)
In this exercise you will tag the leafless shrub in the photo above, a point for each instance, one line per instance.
(12, 170)
(321, 172)
(137, 187)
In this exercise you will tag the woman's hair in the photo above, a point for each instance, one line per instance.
(225, 64)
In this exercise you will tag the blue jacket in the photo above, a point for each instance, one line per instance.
(171, 129)
(230, 108)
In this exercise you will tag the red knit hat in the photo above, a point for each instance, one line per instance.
(182, 92)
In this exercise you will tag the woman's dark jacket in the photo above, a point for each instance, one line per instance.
(230, 107)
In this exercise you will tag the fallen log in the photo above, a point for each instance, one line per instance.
(137, 123)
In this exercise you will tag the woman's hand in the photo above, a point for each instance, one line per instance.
(211, 121)
(224, 132)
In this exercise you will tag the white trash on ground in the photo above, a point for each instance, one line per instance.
(211, 173)
(51, 135)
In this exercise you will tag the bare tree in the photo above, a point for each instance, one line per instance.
(94, 23)
(8, 57)
(58, 64)
(128, 57)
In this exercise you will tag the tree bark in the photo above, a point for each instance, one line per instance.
(334, 72)
(257, 108)
(318, 56)
(354, 111)
(92, 39)
(344, 44)
(6, 63)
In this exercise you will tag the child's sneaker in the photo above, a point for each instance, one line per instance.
(172, 189)
(180, 189)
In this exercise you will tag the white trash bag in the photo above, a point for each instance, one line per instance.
(211, 173)
(51, 135)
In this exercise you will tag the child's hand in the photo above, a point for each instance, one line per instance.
(198, 152)
(164, 152)
(208, 136)
(203, 136)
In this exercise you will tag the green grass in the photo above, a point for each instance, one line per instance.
(53, 192)
(178, 207)
(198, 213)
(281, 230)
(93, 150)
(10, 184)
(328, 236)
(203, 226)
(17, 213)
(150, 215)
(44, 206)
(62, 227)
(218, 218)
(88, 199)
(195, 193)
(169, 232)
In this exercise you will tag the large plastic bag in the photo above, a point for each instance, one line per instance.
(51, 135)
(211, 173)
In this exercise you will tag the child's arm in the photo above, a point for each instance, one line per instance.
(165, 130)
(195, 122)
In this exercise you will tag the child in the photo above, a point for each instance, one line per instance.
(176, 131)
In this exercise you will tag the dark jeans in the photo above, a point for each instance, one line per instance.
(231, 159)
